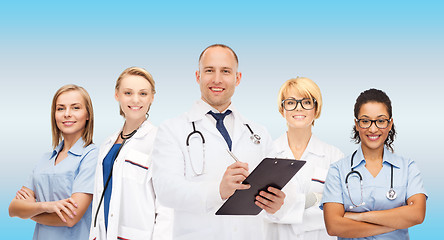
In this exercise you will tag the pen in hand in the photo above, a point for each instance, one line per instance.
(233, 178)
(232, 155)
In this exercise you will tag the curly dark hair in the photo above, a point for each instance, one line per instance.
(374, 95)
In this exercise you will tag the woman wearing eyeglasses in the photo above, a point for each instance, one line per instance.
(300, 103)
(373, 194)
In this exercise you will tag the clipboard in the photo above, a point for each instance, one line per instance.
(274, 172)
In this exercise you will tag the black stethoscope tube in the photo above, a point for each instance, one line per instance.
(194, 132)
(254, 137)
(359, 174)
(126, 137)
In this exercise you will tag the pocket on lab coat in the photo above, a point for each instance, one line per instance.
(136, 166)
(132, 233)
(318, 180)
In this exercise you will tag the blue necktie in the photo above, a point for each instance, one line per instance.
(220, 125)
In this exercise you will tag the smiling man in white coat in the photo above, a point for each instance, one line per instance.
(193, 172)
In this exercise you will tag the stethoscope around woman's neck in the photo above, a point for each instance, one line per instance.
(391, 194)
(124, 138)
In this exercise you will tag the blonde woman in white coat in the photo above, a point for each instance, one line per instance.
(300, 103)
(124, 203)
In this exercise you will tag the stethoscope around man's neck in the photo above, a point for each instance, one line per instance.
(391, 194)
(255, 138)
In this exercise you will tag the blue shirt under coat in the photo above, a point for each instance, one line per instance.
(107, 164)
(74, 174)
(407, 181)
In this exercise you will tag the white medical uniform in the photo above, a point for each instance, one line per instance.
(296, 222)
(134, 212)
(195, 199)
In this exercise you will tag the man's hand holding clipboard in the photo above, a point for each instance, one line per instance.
(270, 199)
(248, 193)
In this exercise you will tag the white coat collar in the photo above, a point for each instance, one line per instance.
(314, 146)
(281, 144)
(200, 108)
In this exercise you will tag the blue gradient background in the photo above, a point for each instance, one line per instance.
(344, 46)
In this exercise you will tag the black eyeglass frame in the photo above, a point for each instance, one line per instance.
(297, 102)
(375, 122)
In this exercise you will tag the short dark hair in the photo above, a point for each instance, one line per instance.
(222, 46)
(374, 95)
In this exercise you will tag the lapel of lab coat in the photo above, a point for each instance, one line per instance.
(107, 145)
(282, 148)
(314, 147)
(141, 132)
(197, 115)
(239, 127)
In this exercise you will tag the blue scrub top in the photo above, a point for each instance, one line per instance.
(407, 181)
(74, 174)
(107, 165)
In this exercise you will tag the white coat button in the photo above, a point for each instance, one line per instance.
(112, 215)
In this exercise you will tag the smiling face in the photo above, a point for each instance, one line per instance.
(373, 138)
(135, 96)
(71, 114)
(299, 118)
(218, 77)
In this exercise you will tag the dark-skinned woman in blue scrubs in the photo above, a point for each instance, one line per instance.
(373, 193)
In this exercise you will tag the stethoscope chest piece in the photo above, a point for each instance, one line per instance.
(255, 138)
(391, 194)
